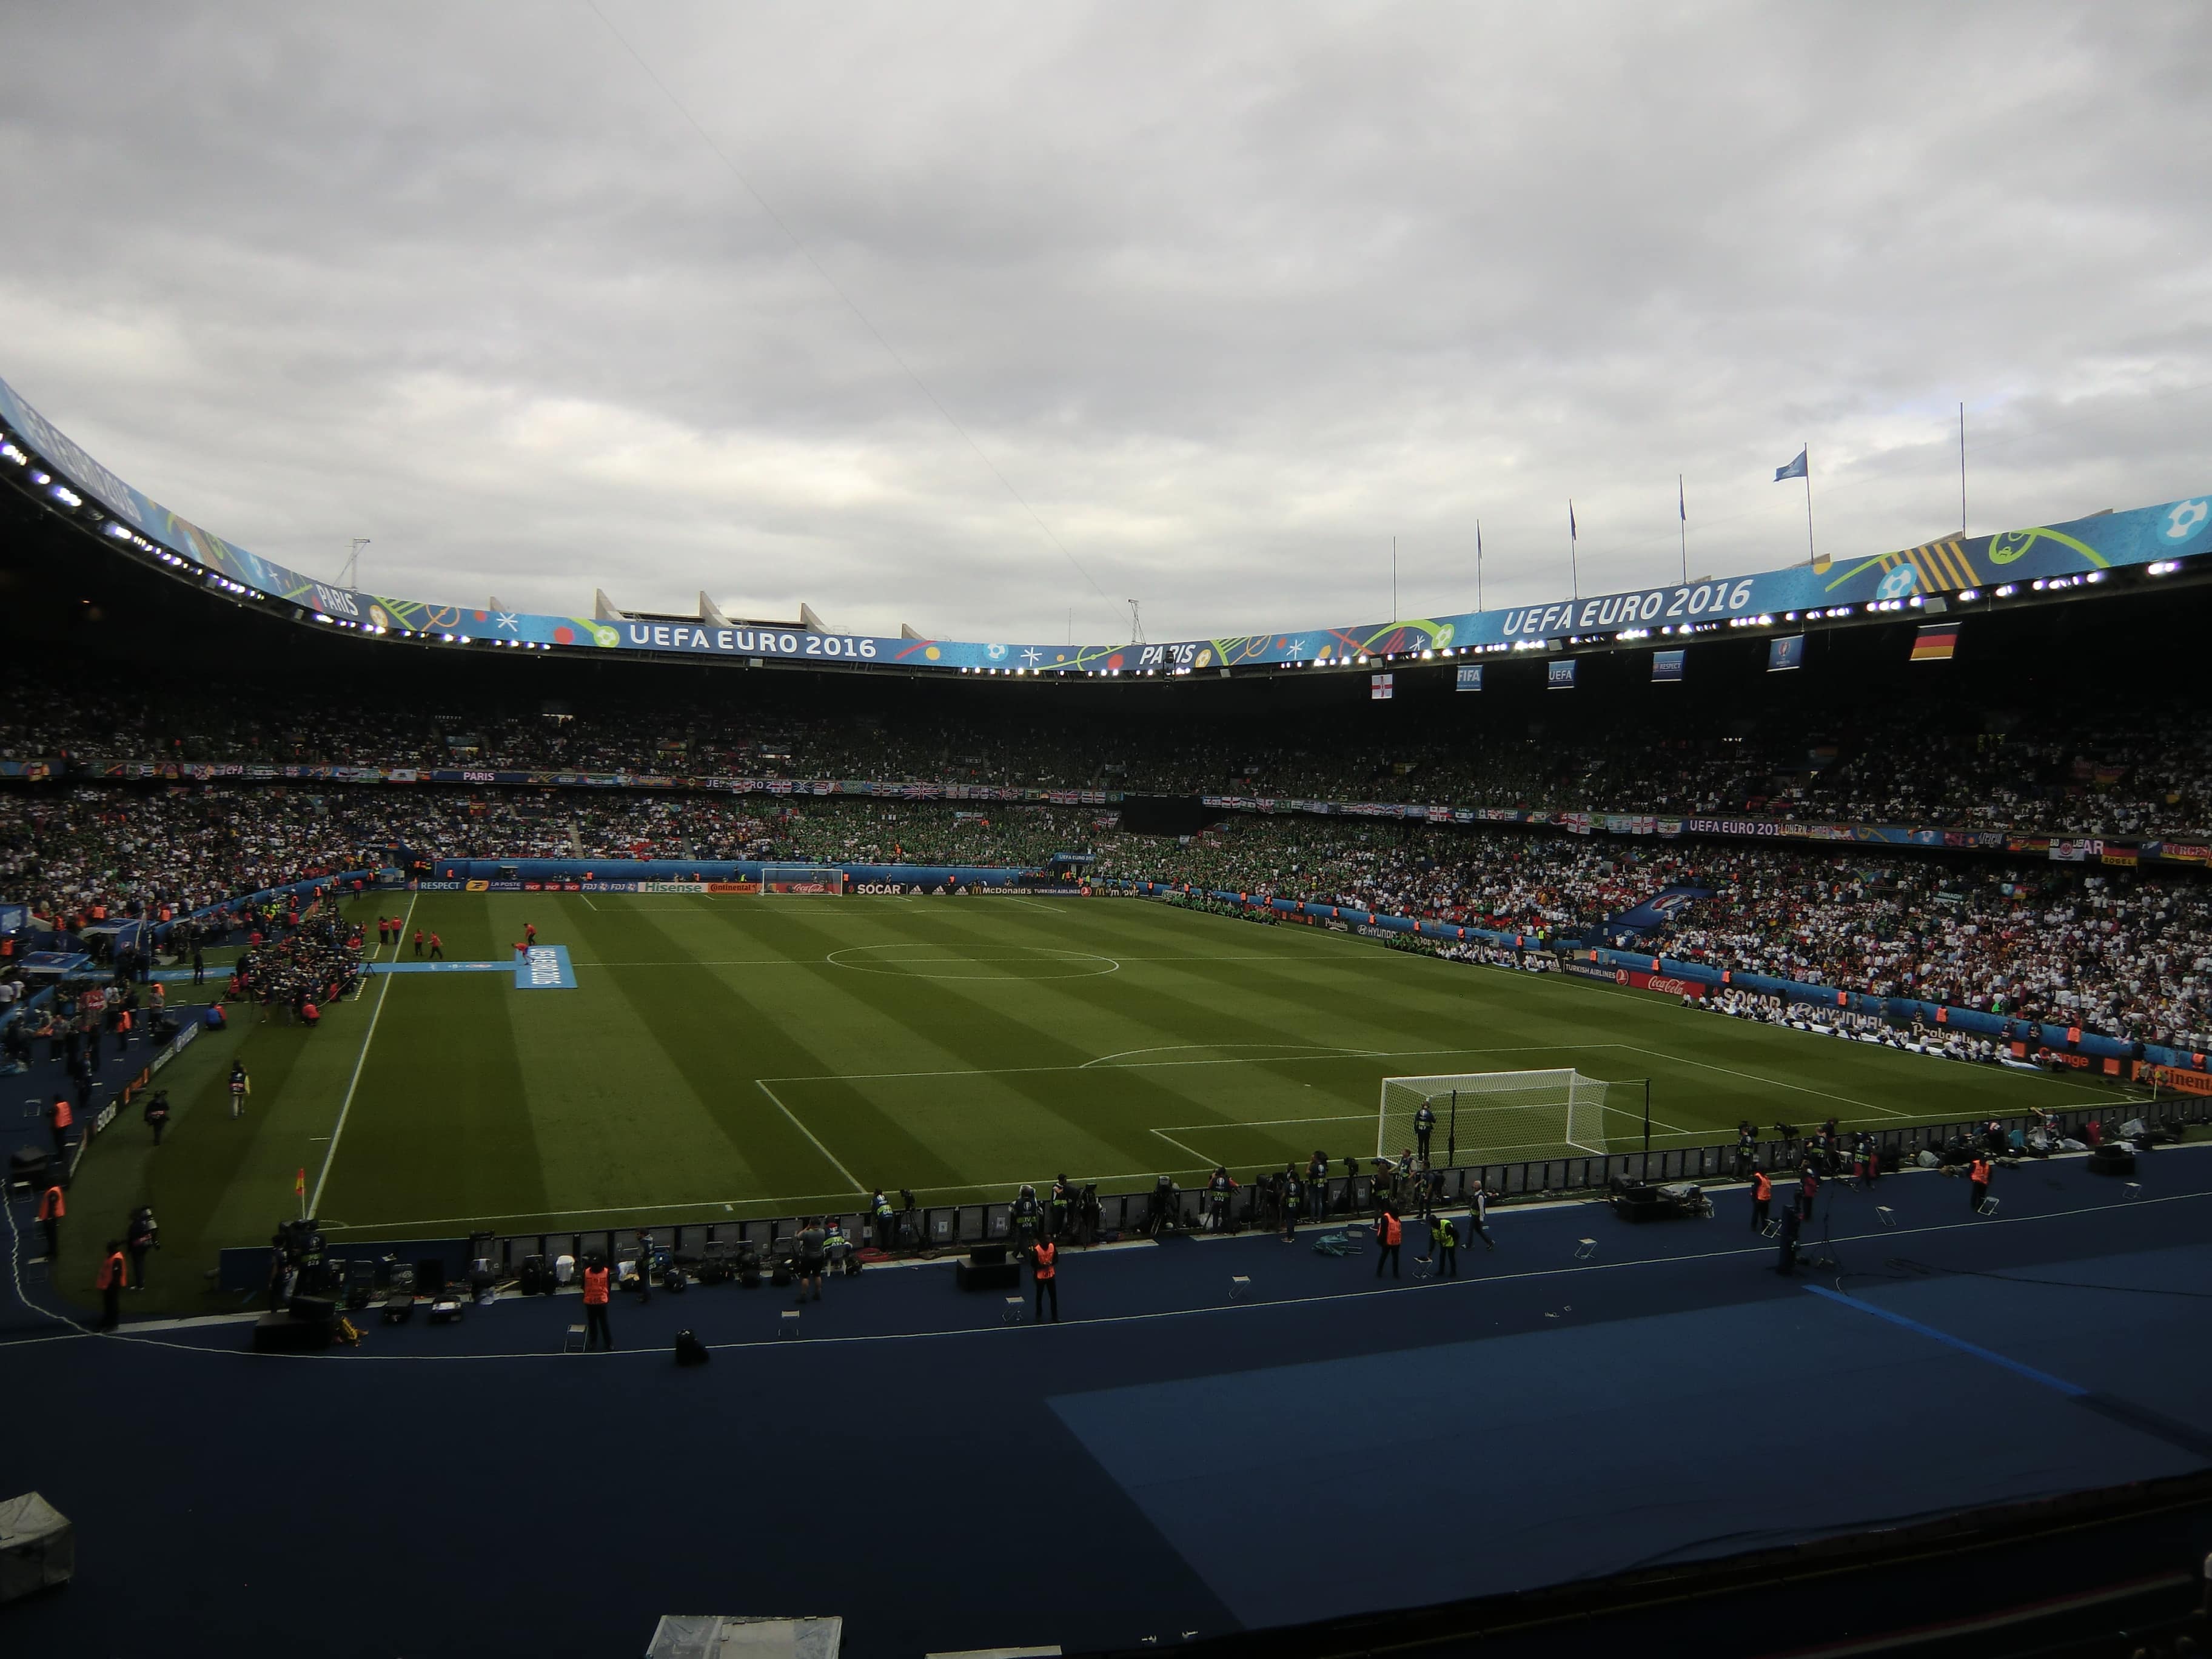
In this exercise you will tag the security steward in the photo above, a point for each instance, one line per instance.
(1063, 1199)
(1444, 1241)
(1317, 1184)
(1978, 1174)
(114, 1276)
(1762, 1197)
(596, 1334)
(1389, 1234)
(879, 1208)
(1027, 1216)
(1044, 1261)
(1292, 1198)
(61, 1118)
(52, 1206)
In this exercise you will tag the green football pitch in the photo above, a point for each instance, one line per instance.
(732, 1056)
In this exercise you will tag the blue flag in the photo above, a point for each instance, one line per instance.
(1795, 469)
(1665, 666)
(1562, 675)
(1785, 653)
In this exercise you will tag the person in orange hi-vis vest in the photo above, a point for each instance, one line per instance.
(1045, 1262)
(52, 1206)
(1762, 1197)
(114, 1274)
(1977, 1175)
(1389, 1234)
(596, 1334)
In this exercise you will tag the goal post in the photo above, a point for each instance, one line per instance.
(1495, 1116)
(804, 879)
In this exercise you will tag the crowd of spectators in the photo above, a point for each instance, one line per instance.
(2124, 952)
(2124, 770)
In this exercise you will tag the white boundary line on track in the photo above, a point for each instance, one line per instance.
(811, 1136)
(1419, 1287)
(315, 1199)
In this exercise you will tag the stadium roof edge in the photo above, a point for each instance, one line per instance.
(2035, 565)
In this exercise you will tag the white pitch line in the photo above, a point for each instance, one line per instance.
(315, 1199)
(1302, 1050)
(1287, 1059)
(1749, 1077)
(1182, 1147)
(810, 1135)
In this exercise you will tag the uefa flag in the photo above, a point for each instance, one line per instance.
(1785, 653)
(1667, 665)
(1934, 642)
(1562, 674)
(1381, 688)
(1795, 469)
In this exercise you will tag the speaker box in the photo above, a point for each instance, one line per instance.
(1000, 1275)
(429, 1275)
(275, 1333)
(987, 1255)
(320, 1309)
(2113, 1160)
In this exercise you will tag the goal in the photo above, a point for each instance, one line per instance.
(1495, 1116)
(802, 879)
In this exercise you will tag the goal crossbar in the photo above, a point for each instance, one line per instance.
(1492, 1115)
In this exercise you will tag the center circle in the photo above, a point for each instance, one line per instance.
(972, 962)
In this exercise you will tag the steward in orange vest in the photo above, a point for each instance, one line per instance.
(51, 1208)
(1762, 1198)
(114, 1274)
(1044, 1260)
(596, 1332)
(1978, 1175)
(1389, 1233)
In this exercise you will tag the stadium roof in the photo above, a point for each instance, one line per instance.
(1939, 577)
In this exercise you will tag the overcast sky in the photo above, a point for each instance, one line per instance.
(983, 313)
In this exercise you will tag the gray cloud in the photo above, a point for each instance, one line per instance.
(1231, 295)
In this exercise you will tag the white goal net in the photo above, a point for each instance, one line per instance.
(801, 879)
(1488, 1117)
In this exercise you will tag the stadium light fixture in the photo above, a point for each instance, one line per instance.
(2005, 592)
(41, 478)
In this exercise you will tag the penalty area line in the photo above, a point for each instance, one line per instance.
(810, 1135)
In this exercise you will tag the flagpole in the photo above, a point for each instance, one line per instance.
(1962, 468)
(1393, 579)
(1806, 451)
(1478, 564)
(1682, 518)
(1574, 564)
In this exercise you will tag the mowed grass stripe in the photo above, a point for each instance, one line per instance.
(721, 1037)
(980, 1024)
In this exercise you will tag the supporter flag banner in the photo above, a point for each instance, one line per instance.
(1785, 653)
(1667, 665)
(1934, 642)
(1381, 688)
(1562, 674)
(1470, 677)
(1795, 469)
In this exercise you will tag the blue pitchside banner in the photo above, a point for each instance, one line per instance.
(2061, 554)
(544, 968)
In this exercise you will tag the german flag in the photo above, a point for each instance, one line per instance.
(1936, 642)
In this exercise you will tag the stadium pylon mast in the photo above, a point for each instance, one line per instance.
(350, 575)
(1136, 625)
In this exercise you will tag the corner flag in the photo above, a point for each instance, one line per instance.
(299, 1184)
(1795, 469)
